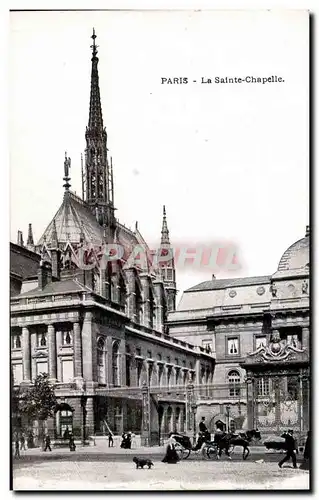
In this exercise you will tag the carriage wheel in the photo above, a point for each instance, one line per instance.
(182, 453)
(210, 452)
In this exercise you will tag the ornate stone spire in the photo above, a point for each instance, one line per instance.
(95, 116)
(167, 268)
(165, 232)
(97, 176)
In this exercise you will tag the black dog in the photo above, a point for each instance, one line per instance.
(140, 462)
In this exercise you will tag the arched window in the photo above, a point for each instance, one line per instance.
(234, 383)
(115, 364)
(128, 365)
(263, 386)
(168, 427)
(177, 417)
(101, 371)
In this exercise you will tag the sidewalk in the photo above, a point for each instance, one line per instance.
(104, 449)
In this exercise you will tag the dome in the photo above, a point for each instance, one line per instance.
(296, 256)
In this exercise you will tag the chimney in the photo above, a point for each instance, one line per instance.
(30, 241)
(20, 239)
(44, 274)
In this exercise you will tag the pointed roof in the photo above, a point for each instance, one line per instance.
(95, 124)
(67, 223)
(165, 232)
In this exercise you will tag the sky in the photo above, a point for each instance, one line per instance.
(229, 161)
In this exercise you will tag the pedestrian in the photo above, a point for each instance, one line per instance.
(22, 442)
(306, 454)
(72, 443)
(171, 456)
(111, 440)
(17, 448)
(47, 441)
(66, 434)
(290, 449)
(30, 440)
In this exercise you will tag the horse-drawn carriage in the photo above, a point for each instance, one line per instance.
(210, 449)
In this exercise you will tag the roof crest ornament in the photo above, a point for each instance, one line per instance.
(66, 178)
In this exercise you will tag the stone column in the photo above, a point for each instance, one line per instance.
(87, 345)
(89, 417)
(33, 359)
(146, 307)
(159, 297)
(305, 338)
(77, 343)
(250, 403)
(131, 299)
(197, 372)
(146, 431)
(26, 354)
(278, 402)
(109, 366)
(52, 353)
(173, 419)
(181, 420)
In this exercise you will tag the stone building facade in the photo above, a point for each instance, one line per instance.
(236, 320)
(96, 324)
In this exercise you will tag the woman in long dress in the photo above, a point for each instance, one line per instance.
(171, 456)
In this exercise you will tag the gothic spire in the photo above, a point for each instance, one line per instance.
(98, 188)
(95, 124)
(165, 232)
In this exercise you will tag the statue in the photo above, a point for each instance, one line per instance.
(304, 287)
(273, 290)
(67, 166)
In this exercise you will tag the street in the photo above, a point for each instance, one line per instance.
(101, 468)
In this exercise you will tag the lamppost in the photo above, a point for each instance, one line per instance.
(227, 416)
(194, 409)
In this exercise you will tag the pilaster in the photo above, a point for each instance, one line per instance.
(26, 355)
(77, 342)
(52, 354)
(87, 343)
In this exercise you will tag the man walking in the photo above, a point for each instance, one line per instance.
(111, 440)
(22, 441)
(47, 443)
(291, 449)
(17, 448)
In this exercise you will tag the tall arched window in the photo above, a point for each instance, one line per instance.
(101, 371)
(234, 383)
(115, 364)
(128, 365)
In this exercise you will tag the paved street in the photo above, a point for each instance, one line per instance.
(101, 468)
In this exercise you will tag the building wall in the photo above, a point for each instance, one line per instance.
(23, 264)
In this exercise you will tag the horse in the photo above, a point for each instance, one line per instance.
(231, 440)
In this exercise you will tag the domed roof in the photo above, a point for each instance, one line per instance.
(297, 255)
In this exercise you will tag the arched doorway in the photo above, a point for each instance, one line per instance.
(63, 420)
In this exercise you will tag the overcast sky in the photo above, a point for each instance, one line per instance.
(230, 162)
